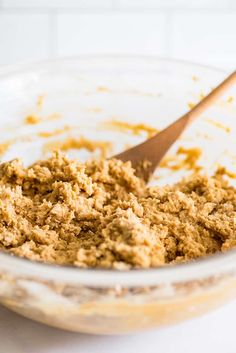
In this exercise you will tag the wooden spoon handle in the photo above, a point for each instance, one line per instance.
(170, 134)
(211, 97)
(154, 149)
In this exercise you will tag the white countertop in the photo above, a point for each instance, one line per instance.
(214, 332)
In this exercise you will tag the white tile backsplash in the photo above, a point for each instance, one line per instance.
(173, 4)
(196, 30)
(206, 38)
(54, 4)
(112, 33)
(232, 4)
(125, 4)
(23, 37)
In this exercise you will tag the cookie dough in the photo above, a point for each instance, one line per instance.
(79, 143)
(100, 214)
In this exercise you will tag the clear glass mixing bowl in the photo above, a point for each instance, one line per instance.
(83, 94)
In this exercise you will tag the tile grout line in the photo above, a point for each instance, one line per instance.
(118, 10)
(168, 36)
(53, 34)
(116, 5)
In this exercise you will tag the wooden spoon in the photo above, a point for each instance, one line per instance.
(146, 156)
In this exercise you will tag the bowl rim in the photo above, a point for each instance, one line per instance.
(212, 265)
(10, 69)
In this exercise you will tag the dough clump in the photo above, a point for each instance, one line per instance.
(100, 214)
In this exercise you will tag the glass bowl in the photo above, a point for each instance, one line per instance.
(52, 101)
